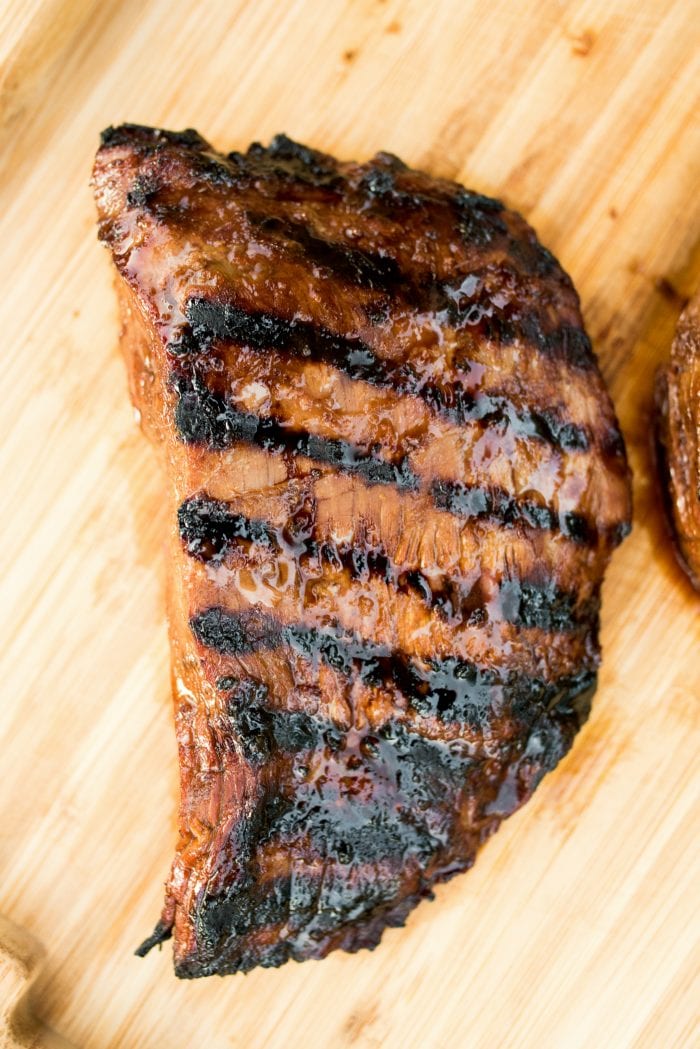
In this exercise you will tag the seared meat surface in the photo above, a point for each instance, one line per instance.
(395, 479)
(678, 437)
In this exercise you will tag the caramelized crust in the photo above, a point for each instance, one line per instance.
(678, 437)
(395, 479)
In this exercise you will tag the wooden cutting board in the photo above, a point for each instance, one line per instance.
(578, 926)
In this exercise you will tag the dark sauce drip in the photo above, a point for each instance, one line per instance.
(211, 531)
(210, 321)
(450, 689)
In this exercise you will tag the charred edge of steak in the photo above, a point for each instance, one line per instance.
(407, 819)
(210, 530)
(449, 689)
(321, 916)
(160, 934)
(479, 220)
(136, 134)
(261, 331)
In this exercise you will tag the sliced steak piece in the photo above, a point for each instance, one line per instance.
(395, 479)
(678, 437)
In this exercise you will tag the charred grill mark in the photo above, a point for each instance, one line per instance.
(210, 530)
(264, 331)
(204, 417)
(363, 268)
(498, 505)
(458, 405)
(450, 689)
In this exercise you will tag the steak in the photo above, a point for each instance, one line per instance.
(394, 481)
(678, 438)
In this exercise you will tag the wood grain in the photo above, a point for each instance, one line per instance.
(578, 926)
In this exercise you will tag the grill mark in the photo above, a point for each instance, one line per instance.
(497, 504)
(263, 730)
(354, 265)
(204, 417)
(470, 304)
(355, 358)
(450, 689)
(210, 531)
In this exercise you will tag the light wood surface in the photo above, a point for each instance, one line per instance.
(578, 927)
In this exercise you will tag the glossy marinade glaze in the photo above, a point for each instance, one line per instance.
(395, 480)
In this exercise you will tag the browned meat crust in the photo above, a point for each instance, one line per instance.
(678, 437)
(395, 480)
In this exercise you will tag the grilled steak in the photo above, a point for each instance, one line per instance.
(395, 479)
(678, 437)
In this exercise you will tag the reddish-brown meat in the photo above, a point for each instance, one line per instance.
(678, 437)
(395, 479)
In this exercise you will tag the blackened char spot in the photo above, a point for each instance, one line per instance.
(289, 161)
(208, 528)
(545, 606)
(235, 634)
(284, 148)
(262, 731)
(478, 217)
(142, 189)
(498, 505)
(137, 134)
